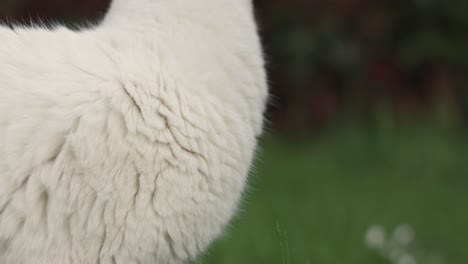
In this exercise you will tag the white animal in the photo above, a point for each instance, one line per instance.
(130, 142)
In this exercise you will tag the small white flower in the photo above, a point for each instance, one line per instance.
(403, 234)
(395, 254)
(406, 259)
(376, 237)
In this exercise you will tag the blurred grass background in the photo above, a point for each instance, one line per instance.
(313, 202)
(367, 126)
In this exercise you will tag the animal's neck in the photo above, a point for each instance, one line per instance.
(128, 13)
(213, 42)
(138, 14)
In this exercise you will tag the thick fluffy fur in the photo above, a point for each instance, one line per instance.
(131, 142)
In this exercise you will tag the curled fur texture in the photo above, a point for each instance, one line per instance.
(129, 142)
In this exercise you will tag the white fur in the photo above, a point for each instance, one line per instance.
(130, 142)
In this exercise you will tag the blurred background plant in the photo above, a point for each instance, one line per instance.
(368, 125)
(399, 247)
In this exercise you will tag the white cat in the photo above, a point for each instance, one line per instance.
(129, 142)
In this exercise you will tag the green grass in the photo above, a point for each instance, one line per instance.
(312, 202)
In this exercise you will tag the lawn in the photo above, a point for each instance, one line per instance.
(312, 201)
